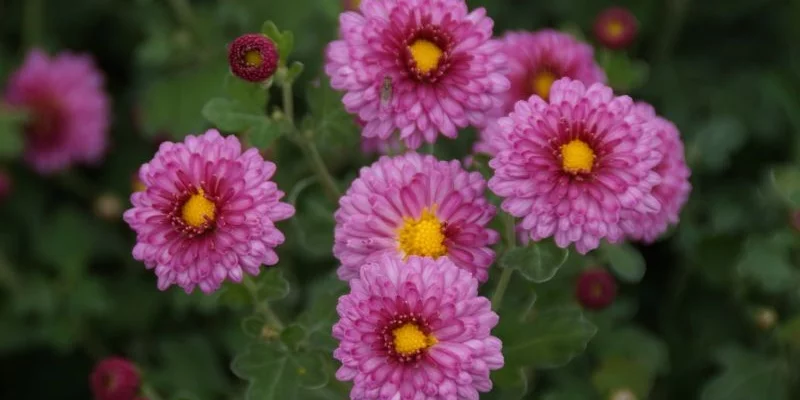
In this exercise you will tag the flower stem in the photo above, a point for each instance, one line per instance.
(262, 306)
(505, 277)
(324, 176)
(288, 100)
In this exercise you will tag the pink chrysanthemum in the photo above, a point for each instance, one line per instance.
(672, 192)
(417, 66)
(114, 378)
(68, 110)
(253, 57)
(370, 145)
(208, 212)
(572, 166)
(416, 330)
(415, 205)
(535, 61)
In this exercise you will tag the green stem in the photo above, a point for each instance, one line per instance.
(33, 14)
(262, 306)
(325, 178)
(505, 277)
(149, 392)
(288, 100)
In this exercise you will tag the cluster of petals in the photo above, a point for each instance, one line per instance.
(416, 330)
(207, 213)
(439, 207)
(417, 67)
(535, 61)
(66, 107)
(579, 165)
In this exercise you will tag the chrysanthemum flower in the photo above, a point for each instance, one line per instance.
(672, 192)
(415, 205)
(535, 61)
(596, 289)
(68, 110)
(114, 378)
(571, 166)
(208, 213)
(253, 57)
(615, 28)
(417, 66)
(416, 330)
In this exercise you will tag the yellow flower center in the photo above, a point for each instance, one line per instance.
(577, 157)
(615, 29)
(409, 339)
(425, 54)
(198, 210)
(253, 58)
(541, 83)
(422, 237)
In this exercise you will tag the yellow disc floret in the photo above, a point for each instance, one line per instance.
(615, 29)
(422, 237)
(253, 58)
(426, 54)
(198, 210)
(409, 339)
(541, 83)
(577, 157)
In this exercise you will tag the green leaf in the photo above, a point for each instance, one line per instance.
(550, 339)
(617, 373)
(262, 135)
(789, 332)
(11, 137)
(275, 373)
(767, 262)
(190, 364)
(272, 285)
(62, 246)
(253, 326)
(635, 345)
(251, 96)
(624, 74)
(283, 40)
(293, 335)
(271, 30)
(294, 71)
(511, 383)
(715, 142)
(786, 181)
(329, 121)
(231, 116)
(746, 376)
(537, 262)
(626, 262)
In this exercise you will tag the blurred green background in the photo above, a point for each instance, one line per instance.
(727, 72)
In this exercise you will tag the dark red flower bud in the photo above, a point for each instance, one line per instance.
(615, 28)
(596, 288)
(114, 378)
(253, 57)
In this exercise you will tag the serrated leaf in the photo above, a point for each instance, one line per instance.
(251, 96)
(551, 338)
(537, 262)
(275, 373)
(272, 285)
(626, 262)
(786, 181)
(746, 376)
(231, 116)
(253, 326)
(767, 262)
(293, 335)
(510, 383)
(262, 135)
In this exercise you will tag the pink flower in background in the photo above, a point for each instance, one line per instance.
(570, 167)
(615, 28)
(672, 192)
(68, 110)
(416, 330)
(373, 145)
(420, 67)
(114, 378)
(535, 61)
(208, 213)
(415, 205)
